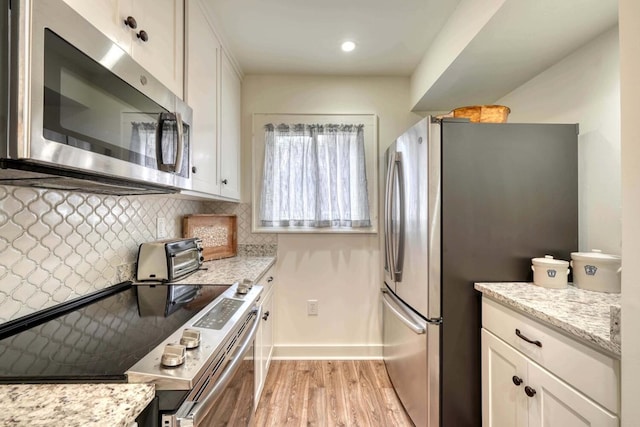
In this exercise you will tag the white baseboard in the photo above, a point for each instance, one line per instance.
(326, 352)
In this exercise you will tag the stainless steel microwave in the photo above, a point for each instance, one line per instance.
(79, 113)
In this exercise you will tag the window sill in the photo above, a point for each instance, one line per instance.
(311, 230)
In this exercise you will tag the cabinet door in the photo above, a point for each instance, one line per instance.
(107, 17)
(263, 345)
(555, 403)
(163, 53)
(267, 334)
(203, 60)
(264, 338)
(163, 21)
(504, 377)
(229, 130)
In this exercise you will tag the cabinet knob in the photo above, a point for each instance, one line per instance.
(142, 35)
(265, 316)
(131, 22)
(270, 279)
(529, 391)
(194, 169)
(224, 181)
(516, 380)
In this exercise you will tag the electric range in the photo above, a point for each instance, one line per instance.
(103, 338)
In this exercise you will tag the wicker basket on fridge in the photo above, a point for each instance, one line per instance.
(483, 113)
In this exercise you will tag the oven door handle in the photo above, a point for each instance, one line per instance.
(200, 408)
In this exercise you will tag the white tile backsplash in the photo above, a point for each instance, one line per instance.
(56, 246)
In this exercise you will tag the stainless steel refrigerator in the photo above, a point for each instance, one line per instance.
(465, 202)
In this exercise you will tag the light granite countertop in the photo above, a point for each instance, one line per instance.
(585, 315)
(227, 271)
(73, 405)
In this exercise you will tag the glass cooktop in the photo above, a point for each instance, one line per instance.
(97, 342)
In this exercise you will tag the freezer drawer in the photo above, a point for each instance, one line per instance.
(411, 356)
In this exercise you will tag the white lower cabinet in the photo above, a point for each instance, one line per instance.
(518, 390)
(504, 370)
(555, 403)
(263, 349)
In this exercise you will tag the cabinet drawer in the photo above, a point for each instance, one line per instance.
(267, 280)
(593, 373)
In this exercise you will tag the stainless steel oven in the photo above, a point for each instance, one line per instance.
(200, 357)
(225, 395)
(203, 372)
(81, 108)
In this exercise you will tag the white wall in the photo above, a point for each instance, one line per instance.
(341, 271)
(630, 113)
(459, 30)
(584, 88)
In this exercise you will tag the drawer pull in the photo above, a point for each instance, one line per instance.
(265, 316)
(536, 342)
(270, 279)
(530, 391)
(516, 380)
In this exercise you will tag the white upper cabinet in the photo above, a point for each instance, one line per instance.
(201, 90)
(159, 22)
(229, 130)
(212, 89)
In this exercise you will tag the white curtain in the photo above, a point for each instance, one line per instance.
(143, 144)
(314, 176)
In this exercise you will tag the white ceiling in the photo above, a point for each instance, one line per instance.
(304, 36)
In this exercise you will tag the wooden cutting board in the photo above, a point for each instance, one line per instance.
(219, 234)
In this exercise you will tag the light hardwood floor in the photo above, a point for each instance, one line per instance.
(329, 393)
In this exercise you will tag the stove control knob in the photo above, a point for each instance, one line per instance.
(173, 355)
(190, 338)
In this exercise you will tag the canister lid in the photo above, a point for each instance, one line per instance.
(595, 255)
(549, 261)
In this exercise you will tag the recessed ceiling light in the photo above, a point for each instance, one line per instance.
(348, 46)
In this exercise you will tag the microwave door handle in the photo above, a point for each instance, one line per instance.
(200, 409)
(387, 215)
(177, 167)
(399, 259)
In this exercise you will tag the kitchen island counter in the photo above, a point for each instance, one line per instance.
(584, 315)
(73, 404)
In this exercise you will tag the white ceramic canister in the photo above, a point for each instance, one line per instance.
(596, 271)
(549, 272)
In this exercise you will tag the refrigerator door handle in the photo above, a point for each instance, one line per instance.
(403, 317)
(399, 260)
(387, 216)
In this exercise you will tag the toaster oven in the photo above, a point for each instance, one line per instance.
(168, 260)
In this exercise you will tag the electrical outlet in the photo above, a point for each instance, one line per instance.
(312, 307)
(161, 228)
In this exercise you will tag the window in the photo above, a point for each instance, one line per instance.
(314, 173)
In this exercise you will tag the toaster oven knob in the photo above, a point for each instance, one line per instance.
(190, 338)
(173, 355)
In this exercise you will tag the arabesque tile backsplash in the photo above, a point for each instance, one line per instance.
(56, 246)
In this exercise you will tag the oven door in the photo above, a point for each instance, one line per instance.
(81, 103)
(229, 399)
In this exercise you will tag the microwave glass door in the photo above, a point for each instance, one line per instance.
(88, 107)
